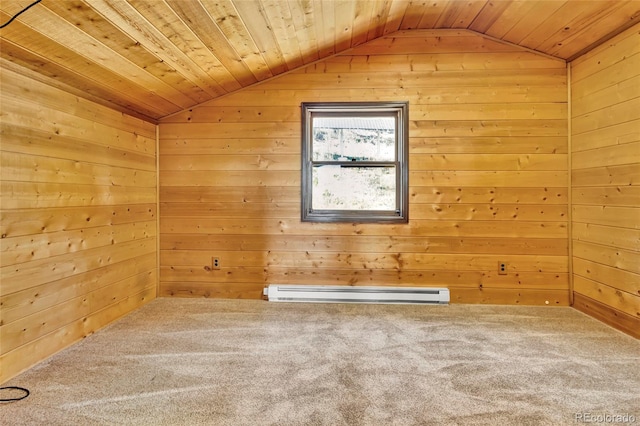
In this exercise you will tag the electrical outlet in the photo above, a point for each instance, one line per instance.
(215, 263)
(502, 268)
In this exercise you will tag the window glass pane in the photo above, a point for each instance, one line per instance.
(354, 138)
(353, 188)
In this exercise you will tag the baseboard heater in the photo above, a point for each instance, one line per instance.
(355, 294)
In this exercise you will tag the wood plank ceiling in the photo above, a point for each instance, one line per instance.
(153, 58)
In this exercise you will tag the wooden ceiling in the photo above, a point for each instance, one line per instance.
(153, 58)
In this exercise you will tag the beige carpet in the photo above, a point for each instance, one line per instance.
(221, 362)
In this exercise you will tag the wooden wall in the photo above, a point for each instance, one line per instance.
(78, 218)
(488, 178)
(605, 122)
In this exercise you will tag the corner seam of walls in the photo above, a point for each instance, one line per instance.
(569, 186)
(157, 210)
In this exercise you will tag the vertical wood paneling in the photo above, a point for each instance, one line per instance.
(488, 174)
(78, 219)
(606, 192)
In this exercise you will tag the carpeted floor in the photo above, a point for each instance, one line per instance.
(224, 362)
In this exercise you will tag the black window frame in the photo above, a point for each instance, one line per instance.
(400, 110)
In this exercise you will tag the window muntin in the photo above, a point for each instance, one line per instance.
(354, 162)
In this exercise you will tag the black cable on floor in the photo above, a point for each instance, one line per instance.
(26, 393)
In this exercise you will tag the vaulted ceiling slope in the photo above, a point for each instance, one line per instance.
(152, 58)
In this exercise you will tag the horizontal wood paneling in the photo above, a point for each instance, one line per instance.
(32, 352)
(629, 324)
(615, 155)
(627, 260)
(438, 258)
(425, 79)
(78, 246)
(435, 61)
(433, 194)
(20, 221)
(616, 236)
(606, 181)
(609, 276)
(488, 173)
(31, 300)
(417, 161)
(185, 243)
(426, 211)
(30, 195)
(37, 272)
(17, 139)
(279, 226)
(610, 55)
(258, 97)
(29, 247)
(628, 174)
(49, 97)
(602, 138)
(610, 195)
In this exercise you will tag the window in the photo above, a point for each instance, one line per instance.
(355, 161)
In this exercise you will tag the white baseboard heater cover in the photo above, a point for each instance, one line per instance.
(355, 294)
